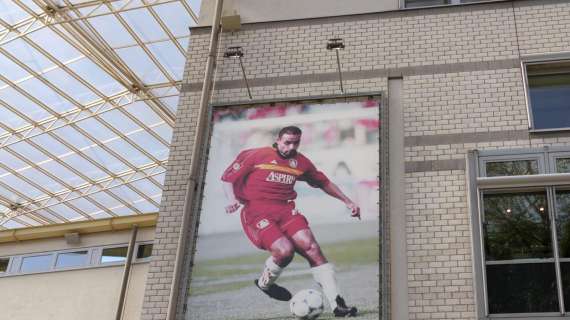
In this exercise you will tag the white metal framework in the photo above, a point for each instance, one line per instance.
(88, 96)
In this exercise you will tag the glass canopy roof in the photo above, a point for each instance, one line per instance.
(88, 96)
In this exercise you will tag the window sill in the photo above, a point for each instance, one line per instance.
(553, 130)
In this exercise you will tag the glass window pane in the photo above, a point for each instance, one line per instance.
(563, 165)
(563, 222)
(516, 226)
(511, 168)
(565, 273)
(550, 97)
(36, 263)
(4, 264)
(425, 3)
(522, 288)
(71, 259)
(144, 251)
(114, 254)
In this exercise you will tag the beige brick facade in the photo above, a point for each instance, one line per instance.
(462, 90)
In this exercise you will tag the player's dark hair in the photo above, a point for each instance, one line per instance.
(290, 130)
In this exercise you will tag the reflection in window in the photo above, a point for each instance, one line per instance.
(144, 251)
(549, 94)
(511, 168)
(516, 226)
(518, 288)
(563, 165)
(71, 259)
(36, 263)
(4, 264)
(114, 254)
(563, 222)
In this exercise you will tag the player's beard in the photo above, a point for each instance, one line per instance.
(291, 154)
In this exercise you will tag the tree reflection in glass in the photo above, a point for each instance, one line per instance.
(563, 165)
(516, 226)
(563, 222)
(511, 168)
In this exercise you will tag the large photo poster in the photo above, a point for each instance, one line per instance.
(289, 215)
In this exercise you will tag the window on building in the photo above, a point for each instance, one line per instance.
(4, 264)
(433, 3)
(549, 94)
(524, 232)
(71, 259)
(144, 251)
(36, 263)
(117, 254)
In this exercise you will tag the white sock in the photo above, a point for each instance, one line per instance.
(325, 277)
(270, 273)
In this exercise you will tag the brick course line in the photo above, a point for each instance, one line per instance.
(364, 74)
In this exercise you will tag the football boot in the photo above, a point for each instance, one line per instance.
(343, 311)
(275, 292)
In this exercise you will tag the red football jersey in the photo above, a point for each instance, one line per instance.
(262, 174)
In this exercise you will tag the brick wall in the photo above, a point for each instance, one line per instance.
(462, 90)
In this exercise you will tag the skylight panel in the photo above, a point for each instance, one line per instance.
(86, 206)
(23, 104)
(47, 142)
(128, 152)
(28, 55)
(94, 75)
(120, 121)
(29, 152)
(22, 186)
(112, 31)
(11, 161)
(151, 144)
(176, 18)
(169, 57)
(142, 65)
(63, 173)
(143, 113)
(11, 119)
(147, 187)
(11, 12)
(84, 166)
(67, 212)
(46, 182)
(55, 45)
(73, 88)
(110, 162)
(165, 131)
(47, 96)
(144, 25)
(11, 70)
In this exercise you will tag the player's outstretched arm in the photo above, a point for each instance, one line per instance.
(233, 203)
(334, 191)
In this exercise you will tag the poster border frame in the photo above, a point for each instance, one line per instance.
(195, 212)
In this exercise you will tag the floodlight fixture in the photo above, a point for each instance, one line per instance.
(237, 53)
(337, 44)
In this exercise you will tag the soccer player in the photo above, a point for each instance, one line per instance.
(263, 180)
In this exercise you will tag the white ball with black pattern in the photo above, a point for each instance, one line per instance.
(307, 304)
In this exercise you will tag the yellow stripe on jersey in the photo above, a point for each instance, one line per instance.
(276, 167)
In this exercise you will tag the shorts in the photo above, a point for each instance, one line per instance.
(265, 222)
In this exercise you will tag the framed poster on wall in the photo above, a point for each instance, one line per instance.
(289, 215)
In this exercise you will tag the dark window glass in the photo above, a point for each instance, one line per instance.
(4, 264)
(511, 168)
(425, 3)
(516, 226)
(144, 251)
(549, 92)
(565, 273)
(71, 259)
(563, 222)
(114, 254)
(522, 288)
(563, 165)
(36, 263)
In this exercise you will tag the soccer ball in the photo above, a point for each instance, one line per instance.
(307, 304)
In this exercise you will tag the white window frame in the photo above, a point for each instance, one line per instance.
(546, 180)
(532, 60)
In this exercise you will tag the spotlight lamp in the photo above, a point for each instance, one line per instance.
(233, 52)
(237, 53)
(337, 44)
